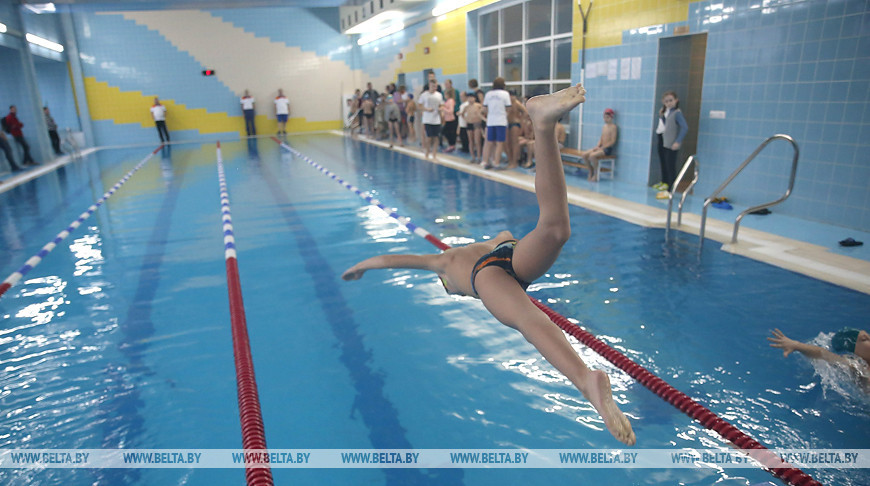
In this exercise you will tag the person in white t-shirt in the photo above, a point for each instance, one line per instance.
(158, 112)
(282, 111)
(247, 102)
(430, 103)
(495, 105)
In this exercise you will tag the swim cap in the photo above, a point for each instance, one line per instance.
(845, 340)
(609, 111)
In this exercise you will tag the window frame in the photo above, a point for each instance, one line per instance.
(552, 81)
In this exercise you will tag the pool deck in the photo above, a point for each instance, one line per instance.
(807, 247)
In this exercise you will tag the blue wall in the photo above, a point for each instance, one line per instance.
(801, 69)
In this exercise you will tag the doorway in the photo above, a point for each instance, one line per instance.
(680, 69)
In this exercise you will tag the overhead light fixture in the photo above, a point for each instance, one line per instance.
(40, 8)
(391, 29)
(2, 27)
(35, 39)
(377, 22)
(449, 6)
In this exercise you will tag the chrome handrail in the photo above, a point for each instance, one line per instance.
(737, 171)
(677, 182)
(73, 145)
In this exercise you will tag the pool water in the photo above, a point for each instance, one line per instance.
(121, 336)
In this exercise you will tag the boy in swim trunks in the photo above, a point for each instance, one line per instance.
(605, 145)
(497, 271)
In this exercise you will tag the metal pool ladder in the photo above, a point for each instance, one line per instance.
(685, 193)
(737, 171)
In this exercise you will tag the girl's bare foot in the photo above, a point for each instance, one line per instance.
(551, 107)
(600, 396)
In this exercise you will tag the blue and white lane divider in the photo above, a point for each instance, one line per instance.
(226, 215)
(406, 222)
(35, 259)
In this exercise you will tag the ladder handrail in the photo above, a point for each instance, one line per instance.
(746, 162)
(685, 193)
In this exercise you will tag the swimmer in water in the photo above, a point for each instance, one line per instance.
(499, 270)
(846, 340)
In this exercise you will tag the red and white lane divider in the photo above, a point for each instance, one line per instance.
(253, 434)
(678, 399)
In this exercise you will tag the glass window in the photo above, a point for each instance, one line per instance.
(512, 24)
(488, 66)
(563, 59)
(564, 15)
(537, 89)
(489, 29)
(538, 55)
(513, 64)
(538, 18)
(528, 43)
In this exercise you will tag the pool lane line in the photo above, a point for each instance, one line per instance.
(406, 222)
(257, 472)
(35, 259)
(664, 390)
(372, 403)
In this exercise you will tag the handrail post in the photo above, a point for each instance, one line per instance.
(673, 189)
(740, 169)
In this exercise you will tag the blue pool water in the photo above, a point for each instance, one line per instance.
(120, 337)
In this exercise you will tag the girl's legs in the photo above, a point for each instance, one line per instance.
(670, 166)
(537, 251)
(507, 301)
(662, 156)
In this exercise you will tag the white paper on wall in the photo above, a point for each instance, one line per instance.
(625, 68)
(635, 67)
(591, 70)
(612, 68)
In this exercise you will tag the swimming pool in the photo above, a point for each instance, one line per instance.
(120, 337)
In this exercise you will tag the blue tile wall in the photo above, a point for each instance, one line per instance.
(12, 92)
(801, 69)
(379, 56)
(796, 69)
(133, 58)
(634, 102)
(55, 89)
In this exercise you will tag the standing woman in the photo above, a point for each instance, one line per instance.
(671, 130)
(448, 117)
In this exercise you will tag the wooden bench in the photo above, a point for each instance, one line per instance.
(571, 157)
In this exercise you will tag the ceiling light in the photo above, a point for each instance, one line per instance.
(40, 8)
(391, 29)
(34, 39)
(376, 23)
(449, 6)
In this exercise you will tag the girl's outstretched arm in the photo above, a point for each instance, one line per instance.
(780, 340)
(432, 263)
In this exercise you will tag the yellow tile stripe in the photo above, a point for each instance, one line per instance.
(110, 103)
(610, 18)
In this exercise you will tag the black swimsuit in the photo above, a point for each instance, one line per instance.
(502, 257)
